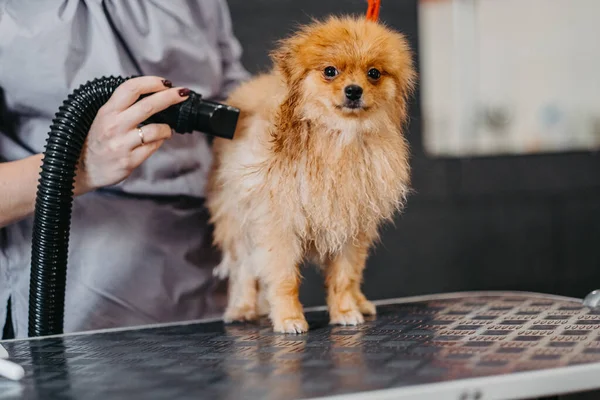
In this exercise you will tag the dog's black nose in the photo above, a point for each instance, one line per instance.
(353, 92)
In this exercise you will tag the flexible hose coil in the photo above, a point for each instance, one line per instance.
(53, 205)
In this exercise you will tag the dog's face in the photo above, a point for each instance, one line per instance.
(347, 66)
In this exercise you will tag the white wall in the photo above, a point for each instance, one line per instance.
(532, 66)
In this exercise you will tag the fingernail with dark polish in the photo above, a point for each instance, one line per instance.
(184, 92)
(167, 83)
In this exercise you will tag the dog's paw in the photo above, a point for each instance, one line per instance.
(240, 314)
(291, 325)
(350, 317)
(367, 308)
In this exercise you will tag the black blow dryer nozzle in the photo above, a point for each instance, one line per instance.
(199, 115)
(220, 119)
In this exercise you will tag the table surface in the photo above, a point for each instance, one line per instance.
(436, 346)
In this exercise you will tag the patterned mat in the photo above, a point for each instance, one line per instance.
(407, 344)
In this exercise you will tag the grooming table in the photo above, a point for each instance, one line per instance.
(461, 346)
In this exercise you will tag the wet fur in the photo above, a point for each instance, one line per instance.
(304, 178)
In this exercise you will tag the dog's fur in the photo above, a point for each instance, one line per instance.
(307, 177)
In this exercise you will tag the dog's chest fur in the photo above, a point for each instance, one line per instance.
(340, 184)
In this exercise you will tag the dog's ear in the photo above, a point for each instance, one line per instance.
(281, 59)
(287, 61)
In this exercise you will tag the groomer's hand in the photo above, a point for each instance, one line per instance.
(115, 146)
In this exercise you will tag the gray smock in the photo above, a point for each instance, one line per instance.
(140, 251)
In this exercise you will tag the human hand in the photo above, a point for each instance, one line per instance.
(114, 146)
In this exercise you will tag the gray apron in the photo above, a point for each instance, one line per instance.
(140, 251)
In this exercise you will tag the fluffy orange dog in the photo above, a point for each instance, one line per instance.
(318, 163)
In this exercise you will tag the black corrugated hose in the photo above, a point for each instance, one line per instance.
(53, 206)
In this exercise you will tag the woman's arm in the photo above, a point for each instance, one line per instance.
(113, 149)
(230, 49)
(18, 188)
(18, 185)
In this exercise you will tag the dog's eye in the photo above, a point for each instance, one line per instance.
(374, 73)
(330, 72)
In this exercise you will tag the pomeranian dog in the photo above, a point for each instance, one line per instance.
(317, 164)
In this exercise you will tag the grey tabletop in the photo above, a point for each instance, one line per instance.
(462, 345)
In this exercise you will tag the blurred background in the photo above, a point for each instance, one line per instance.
(504, 131)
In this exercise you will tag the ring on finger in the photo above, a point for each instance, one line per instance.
(141, 135)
